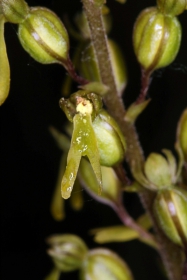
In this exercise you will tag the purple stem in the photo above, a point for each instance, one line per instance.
(145, 83)
(71, 71)
(128, 221)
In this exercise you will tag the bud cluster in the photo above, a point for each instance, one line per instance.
(69, 252)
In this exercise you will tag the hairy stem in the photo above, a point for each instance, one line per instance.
(171, 254)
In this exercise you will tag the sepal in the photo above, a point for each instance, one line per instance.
(135, 110)
(157, 170)
(4, 65)
(110, 184)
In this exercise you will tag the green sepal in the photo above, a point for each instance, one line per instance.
(122, 233)
(68, 107)
(4, 65)
(171, 163)
(157, 170)
(57, 202)
(110, 183)
(83, 143)
(135, 110)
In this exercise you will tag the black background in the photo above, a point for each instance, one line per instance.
(30, 158)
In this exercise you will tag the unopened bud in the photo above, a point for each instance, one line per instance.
(104, 264)
(67, 251)
(157, 170)
(15, 11)
(156, 39)
(44, 36)
(172, 7)
(170, 208)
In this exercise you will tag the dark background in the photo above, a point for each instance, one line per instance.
(30, 158)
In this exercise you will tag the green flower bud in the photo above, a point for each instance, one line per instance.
(172, 7)
(15, 11)
(182, 133)
(67, 251)
(157, 170)
(44, 36)
(4, 65)
(110, 140)
(156, 39)
(104, 264)
(170, 208)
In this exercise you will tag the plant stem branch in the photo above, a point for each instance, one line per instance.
(128, 221)
(171, 254)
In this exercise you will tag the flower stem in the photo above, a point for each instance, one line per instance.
(73, 74)
(128, 221)
(170, 253)
(145, 82)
